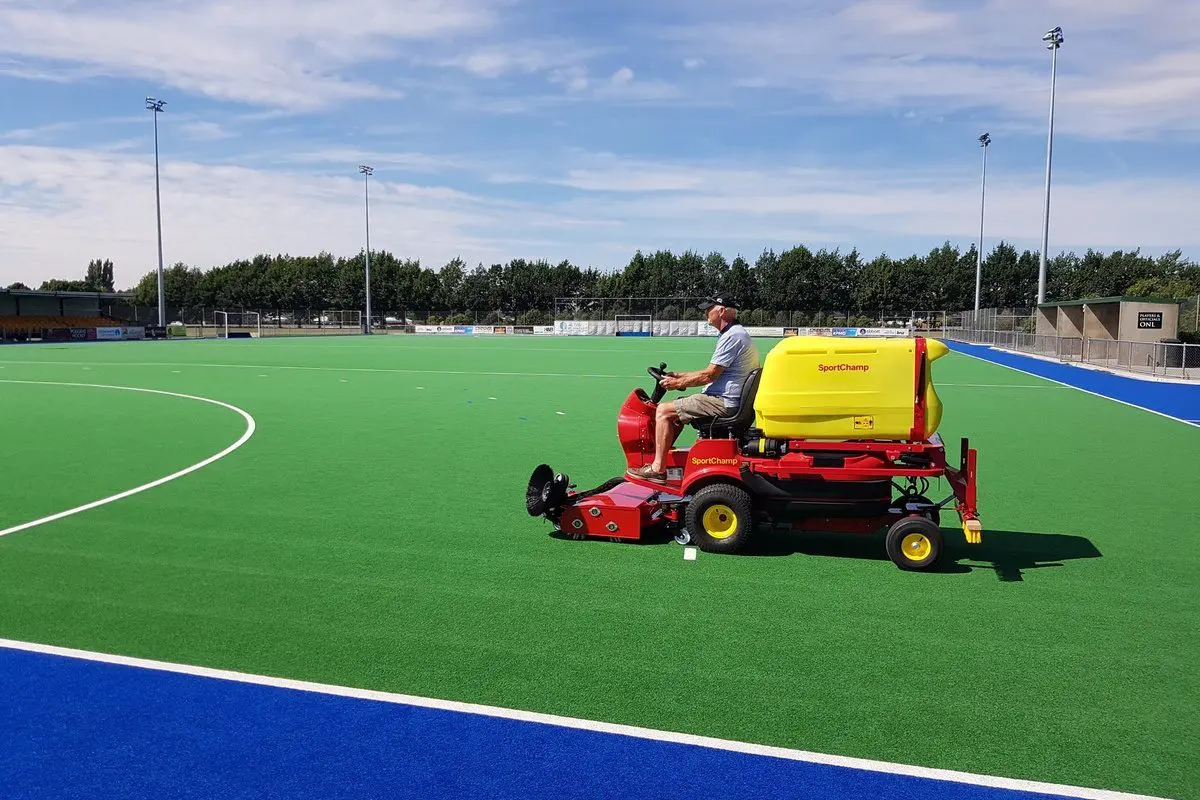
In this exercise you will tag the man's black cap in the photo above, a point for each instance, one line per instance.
(717, 300)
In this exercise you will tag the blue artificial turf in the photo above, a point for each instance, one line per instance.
(1181, 401)
(81, 728)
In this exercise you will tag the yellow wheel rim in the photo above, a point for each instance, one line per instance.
(916, 546)
(719, 521)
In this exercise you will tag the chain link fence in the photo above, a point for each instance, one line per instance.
(1013, 329)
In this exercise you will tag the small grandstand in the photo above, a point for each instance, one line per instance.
(32, 316)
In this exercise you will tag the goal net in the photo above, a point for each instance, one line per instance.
(634, 324)
(340, 319)
(237, 324)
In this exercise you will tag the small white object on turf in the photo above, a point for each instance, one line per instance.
(689, 554)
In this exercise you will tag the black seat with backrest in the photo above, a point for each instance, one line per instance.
(735, 421)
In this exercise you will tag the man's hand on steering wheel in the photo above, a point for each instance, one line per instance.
(672, 381)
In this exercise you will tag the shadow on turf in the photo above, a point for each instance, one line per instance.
(1007, 553)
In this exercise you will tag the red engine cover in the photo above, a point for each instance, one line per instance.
(622, 512)
(635, 429)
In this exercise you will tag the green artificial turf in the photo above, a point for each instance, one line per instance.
(372, 533)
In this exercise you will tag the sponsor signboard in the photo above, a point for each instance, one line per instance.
(460, 329)
(572, 327)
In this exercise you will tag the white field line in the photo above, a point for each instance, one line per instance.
(579, 724)
(402, 371)
(1080, 389)
(250, 426)
(385, 370)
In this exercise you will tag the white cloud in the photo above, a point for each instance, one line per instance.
(622, 77)
(526, 56)
(65, 206)
(205, 131)
(574, 79)
(279, 53)
(845, 206)
(1126, 70)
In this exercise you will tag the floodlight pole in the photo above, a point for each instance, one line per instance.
(156, 106)
(984, 141)
(367, 172)
(1053, 40)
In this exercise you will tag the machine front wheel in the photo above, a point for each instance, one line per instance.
(914, 543)
(719, 518)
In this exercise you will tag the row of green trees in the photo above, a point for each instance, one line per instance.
(797, 280)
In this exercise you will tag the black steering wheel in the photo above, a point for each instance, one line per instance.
(658, 373)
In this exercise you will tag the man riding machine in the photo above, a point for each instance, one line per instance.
(832, 434)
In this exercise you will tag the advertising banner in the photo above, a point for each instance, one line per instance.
(571, 327)
(460, 329)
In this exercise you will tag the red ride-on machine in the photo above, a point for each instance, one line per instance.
(735, 479)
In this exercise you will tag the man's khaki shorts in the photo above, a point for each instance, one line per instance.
(695, 406)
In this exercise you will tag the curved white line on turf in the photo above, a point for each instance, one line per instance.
(250, 426)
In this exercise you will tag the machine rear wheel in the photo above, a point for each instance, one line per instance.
(914, 543)
(719, 518)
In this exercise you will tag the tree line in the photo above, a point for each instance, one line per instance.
(794, 286)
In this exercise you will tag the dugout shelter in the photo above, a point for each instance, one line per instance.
(1122, 318)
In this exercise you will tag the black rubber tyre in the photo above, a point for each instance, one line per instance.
(914, 543)
(719, 518)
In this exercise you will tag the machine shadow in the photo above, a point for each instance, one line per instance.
(1007, 553)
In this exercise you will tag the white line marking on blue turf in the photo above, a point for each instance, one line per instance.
(250, 426)
(750, 748)
(1079, 388)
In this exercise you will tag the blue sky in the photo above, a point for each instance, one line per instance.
(501, 129)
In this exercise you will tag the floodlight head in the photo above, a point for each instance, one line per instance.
(364, 169)
(985, 140)
(155, 105)
(1053, 38)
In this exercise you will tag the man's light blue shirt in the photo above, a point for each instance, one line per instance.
(738, 355)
